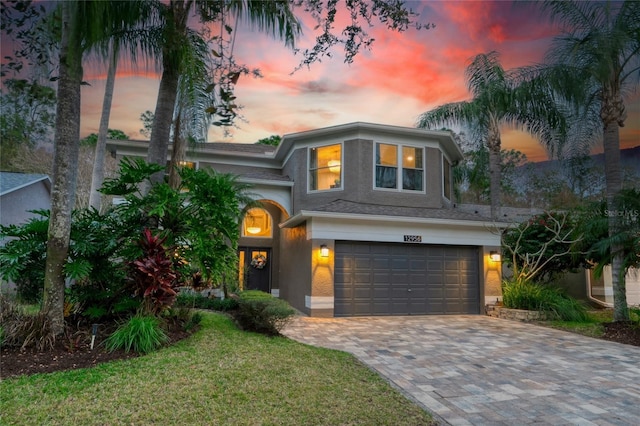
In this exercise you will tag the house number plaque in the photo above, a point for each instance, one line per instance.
(413, 238)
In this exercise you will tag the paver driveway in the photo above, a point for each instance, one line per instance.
(480, 370)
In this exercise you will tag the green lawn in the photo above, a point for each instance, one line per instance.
(592, 328)
(219, 376)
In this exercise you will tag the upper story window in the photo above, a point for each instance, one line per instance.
(325, 167)
(399, 167)
(257, 223)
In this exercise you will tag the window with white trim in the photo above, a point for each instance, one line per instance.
(399, 167)
(325, 167)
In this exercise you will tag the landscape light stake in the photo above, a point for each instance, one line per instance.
(94, 331)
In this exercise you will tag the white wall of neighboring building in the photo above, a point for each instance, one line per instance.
(602, 289)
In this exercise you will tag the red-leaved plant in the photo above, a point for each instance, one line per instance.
(153, 276)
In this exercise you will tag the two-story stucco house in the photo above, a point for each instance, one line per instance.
(357, 219)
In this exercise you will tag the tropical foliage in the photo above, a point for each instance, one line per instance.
(600, 245)
(193, 228)
(593, 65)
(499, 98)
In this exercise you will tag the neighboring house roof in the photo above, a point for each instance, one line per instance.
(10, 181)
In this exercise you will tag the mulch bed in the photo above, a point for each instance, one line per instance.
(622, 332)
(14, 362)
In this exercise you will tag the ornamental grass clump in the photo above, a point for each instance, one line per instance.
(517, 294)
(141, 334)
(260, 312)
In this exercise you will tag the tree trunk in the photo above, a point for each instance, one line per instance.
(65, 161)
(175, 37)
(613, 174)
(98, 162)
(178, 154)
(163, 119)
(495, 171)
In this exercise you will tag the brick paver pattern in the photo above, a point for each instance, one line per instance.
(478, 370)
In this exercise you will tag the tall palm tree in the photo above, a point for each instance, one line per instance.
(500, 98)
(97, 176)
(273, 16)
(595, 63)
(136, 39)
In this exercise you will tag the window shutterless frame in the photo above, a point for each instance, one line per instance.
(324, 167)
(399, 167)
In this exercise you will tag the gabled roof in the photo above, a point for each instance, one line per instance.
(10, 181)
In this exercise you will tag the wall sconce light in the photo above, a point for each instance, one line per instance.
(324, 250)
(495, 256)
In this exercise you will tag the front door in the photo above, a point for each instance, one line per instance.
(255, 268)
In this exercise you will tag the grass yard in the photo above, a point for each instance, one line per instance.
(219, 376)
(593, 327)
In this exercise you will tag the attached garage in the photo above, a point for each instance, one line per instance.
(405, 279)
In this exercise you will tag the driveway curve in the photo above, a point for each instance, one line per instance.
(479, 370)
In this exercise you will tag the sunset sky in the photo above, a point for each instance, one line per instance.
(402, 76)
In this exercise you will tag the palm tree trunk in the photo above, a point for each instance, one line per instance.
(163, 119)
(98, 162)
(65, 161)
(613, 174)
(175, 36)
(178, 154)
(495, 173)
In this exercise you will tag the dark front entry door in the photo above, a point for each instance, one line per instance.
(256, 265)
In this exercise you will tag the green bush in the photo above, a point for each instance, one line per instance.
(536, 297)
(193, 300)
(634, 314)
(260, 312)
(142, 334)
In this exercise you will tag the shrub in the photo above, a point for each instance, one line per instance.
(634, 314)
(535, 297)
(260, 312)
(199, 301)
(153, 275)
(141, 334)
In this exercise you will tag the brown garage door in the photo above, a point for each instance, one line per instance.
(405, 279)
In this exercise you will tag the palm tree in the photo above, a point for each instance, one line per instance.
(595, 62)
(272, 16)
(97, 177)
(499, 98)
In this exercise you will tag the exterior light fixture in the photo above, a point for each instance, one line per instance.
(253, 229)
(324, 250)
(495, 256)
(334, 166)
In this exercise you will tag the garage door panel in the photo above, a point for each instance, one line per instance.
(375, 279)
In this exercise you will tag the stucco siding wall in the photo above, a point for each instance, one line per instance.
(15, 205)
(295, 268)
